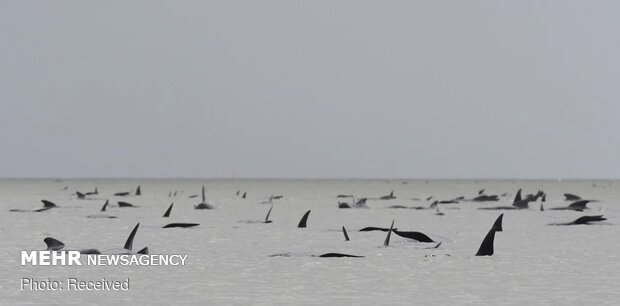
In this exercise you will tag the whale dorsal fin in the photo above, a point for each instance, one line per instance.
(47, 203)
(498, 223)
(517, 197)
(104, 205)
(304, 219)
(129, 242)
(571, 197)
(167, 213)
(268, 213)
(486, 248)
(138, 191)
(344, 231)
(204, 198)
(579, 204)
(53, 244)
(387, 238)
(144, 251)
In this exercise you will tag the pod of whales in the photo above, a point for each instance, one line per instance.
(486, 247)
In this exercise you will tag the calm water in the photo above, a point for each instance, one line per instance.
(228, 257)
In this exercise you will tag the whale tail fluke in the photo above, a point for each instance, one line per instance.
(304, 220)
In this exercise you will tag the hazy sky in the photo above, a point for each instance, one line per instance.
(422, 89)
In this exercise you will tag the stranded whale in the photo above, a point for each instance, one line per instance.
(203, 204)
(57, 245)
(486, 248)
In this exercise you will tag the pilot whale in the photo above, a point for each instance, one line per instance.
(46, 206)
(203, 204)
(486, 248)
(99, 216)
(56, 245)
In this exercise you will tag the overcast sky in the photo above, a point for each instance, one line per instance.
(417, 89)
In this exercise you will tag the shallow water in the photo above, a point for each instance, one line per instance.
(229, 258)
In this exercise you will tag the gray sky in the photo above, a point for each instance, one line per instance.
(422, 89)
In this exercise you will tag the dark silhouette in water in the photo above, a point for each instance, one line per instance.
(387, 238)
(125, 204)
(181, 225)
(486, 248)
(344, 231)
(138, 191)
(122, 194)
(203, 204)
(571, 197)
(47, 205)
(168, 211)
(389, 196)
(577, 206)
(421, 237)
(361, 203)
(80, 195)
(244, 195)
(92, 192)
(339, 255)
(583, 220)
(102, 216)
(56, 245)
(267, 217)
(373, 228)
(105, 205)
(304, 219)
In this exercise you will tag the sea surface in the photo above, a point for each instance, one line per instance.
(229, 260)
